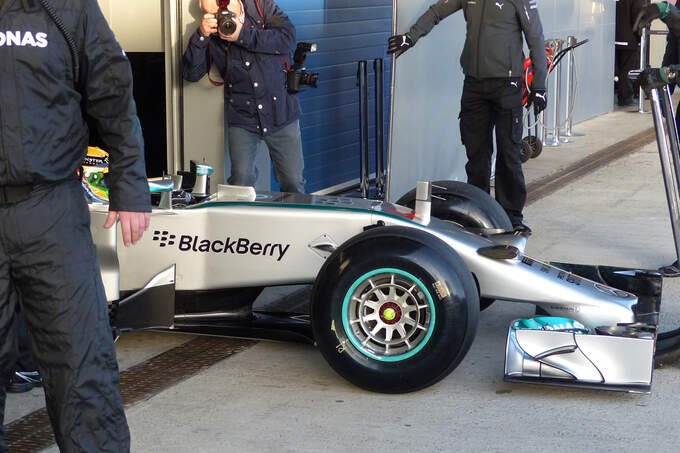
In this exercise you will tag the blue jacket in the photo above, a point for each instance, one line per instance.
(253, 67)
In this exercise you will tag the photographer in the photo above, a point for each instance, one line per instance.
(492, 62)
(250, 45)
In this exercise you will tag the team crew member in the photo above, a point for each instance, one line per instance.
(669, 14)
(46, 250)
(627, 54)
(258, 107)
(493, 63)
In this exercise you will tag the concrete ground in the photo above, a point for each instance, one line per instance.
(279, 397)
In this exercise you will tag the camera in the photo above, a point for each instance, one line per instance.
(225, 18)
(297, 77)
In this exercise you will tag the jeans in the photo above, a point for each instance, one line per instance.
(285, 150)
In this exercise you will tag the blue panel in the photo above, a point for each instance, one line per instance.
(346, 31)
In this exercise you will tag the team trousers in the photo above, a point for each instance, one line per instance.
(489, 104)
(48, 257)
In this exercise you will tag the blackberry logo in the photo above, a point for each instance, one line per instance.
(164, 237)
(236, 246)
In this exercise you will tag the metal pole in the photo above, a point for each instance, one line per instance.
(558, 76)
(571, 90)
(667, 141)
(554, 139)
(671, 126)
(388, 168)
(379, 128)
(544, 131)
(363, 118)
(174, 111)
(644, 60)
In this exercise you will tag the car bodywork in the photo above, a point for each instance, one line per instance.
(190, 271)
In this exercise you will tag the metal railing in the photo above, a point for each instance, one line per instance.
(561, 131)
(644, 59)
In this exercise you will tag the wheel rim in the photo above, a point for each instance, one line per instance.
(388, 315)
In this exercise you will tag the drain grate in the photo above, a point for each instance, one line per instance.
(33, 433)
(556, 181)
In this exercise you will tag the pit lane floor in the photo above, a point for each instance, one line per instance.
(284, 398)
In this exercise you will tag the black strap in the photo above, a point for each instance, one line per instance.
(13, 194)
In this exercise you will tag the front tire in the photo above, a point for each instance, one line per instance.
(394, 310)
(467, 206)
(535, 144)
(525, 152)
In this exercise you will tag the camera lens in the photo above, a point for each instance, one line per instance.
(225, 22)
(228, 27)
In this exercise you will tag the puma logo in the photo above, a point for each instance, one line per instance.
(515, 84)
(500, 5)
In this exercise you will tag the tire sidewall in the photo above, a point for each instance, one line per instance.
(493, 214)
(454, 315)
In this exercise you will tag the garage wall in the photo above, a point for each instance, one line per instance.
(595, 21)
(203, 110)
(346, 31)
(137, 24)
(425, 136)
(138, 28)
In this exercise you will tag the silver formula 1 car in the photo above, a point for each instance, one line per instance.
(397, 288)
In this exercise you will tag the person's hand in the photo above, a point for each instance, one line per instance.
(208, 25)
(652, 78)
(649, 13)
(538, 99)
(132, 224)
(398, 44)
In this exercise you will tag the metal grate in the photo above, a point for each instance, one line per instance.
(33, 433)
(555, 181)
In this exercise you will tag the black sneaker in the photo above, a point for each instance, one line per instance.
(23, 381)
(672, 270)
(522, 229)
